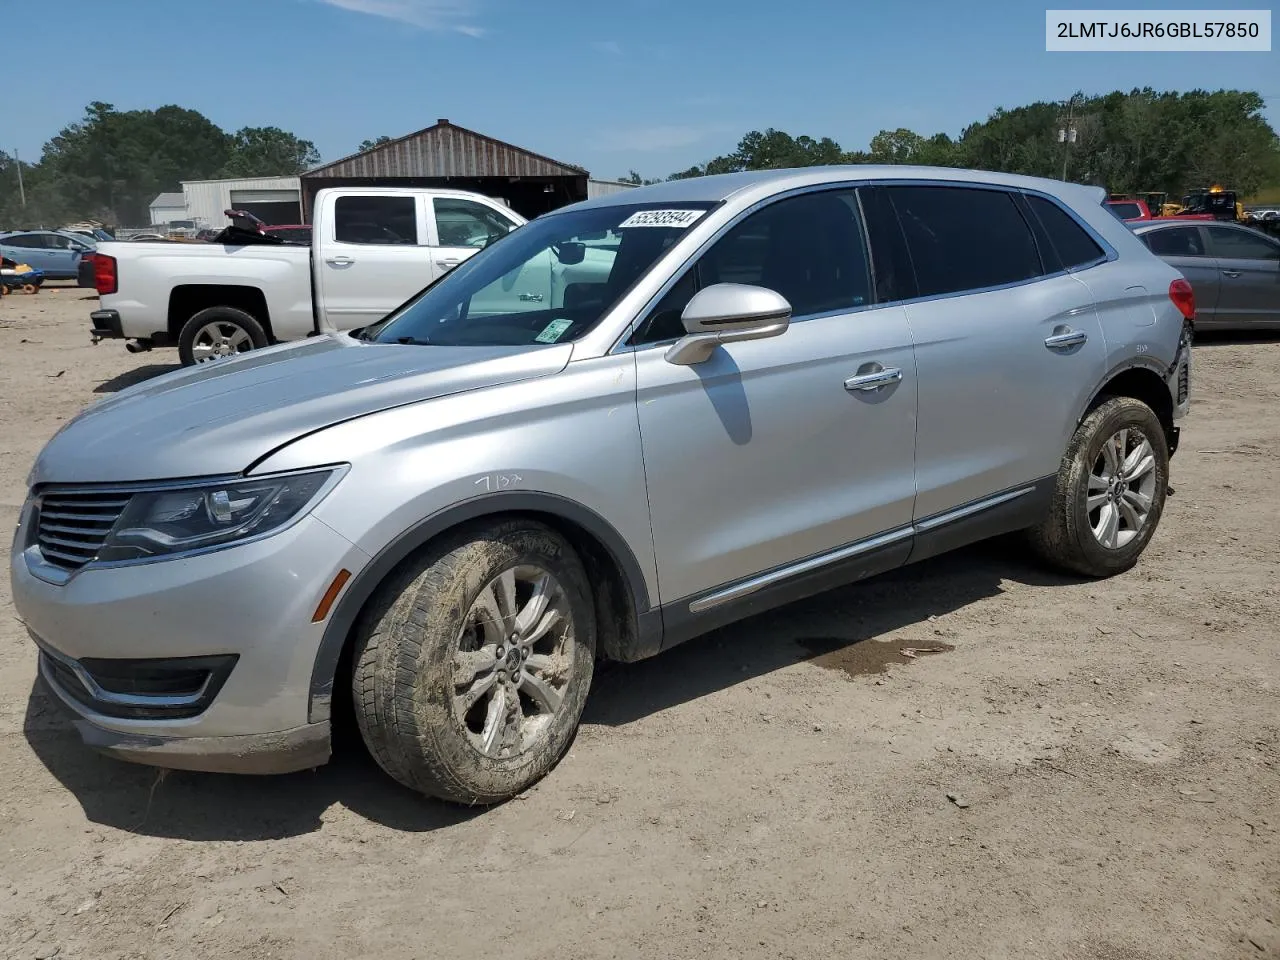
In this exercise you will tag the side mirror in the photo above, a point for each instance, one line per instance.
(728, 313)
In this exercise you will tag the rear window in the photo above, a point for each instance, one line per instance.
(961, 238)
(1174, 242)
(1071, 242)
(1125, 211)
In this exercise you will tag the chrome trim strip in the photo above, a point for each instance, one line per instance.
(942, 519)
(748, 587)
(121, 699)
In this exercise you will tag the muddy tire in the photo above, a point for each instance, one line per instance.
(1109, 493)
(473, 662)
(218, 332)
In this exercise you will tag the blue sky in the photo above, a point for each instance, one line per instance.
(651, 85)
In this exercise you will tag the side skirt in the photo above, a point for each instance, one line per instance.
(1005, 512)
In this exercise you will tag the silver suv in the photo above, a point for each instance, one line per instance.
(741, 390)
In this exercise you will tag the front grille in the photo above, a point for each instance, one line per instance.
(72, 526)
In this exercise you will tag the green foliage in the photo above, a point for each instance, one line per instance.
(268, 152)
(110, 164)
(639, 181)
(1127, 142)
(367, 145)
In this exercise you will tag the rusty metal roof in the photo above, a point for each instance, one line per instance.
(445, 150)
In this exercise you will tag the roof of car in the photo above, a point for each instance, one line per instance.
(714, 189)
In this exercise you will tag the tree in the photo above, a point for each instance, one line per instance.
(367, 145)
(268, 152)
(639, 181)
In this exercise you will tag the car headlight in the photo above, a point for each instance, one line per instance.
(177, 520)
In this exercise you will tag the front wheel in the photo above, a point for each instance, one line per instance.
(1109, 493)
(472, 665)
(218, 332)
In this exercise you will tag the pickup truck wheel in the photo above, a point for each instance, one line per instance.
(472, 664)
(1109, 493)
(218, 332)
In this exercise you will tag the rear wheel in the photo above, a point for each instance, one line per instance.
(473, 664)
(218, 332)
(1109, 493)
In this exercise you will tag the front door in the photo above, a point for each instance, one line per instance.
(462, 228)
(1249, 265)
(373, 256)
(765, 454)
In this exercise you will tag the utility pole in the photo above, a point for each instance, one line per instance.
(22, 193)
(1067, 133)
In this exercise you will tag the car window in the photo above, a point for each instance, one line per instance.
(1174, 242)
(808, 248)
(1241, 245)
(54, 241)
(1125, 211)
(375, 220)
(465, 223)
(962, 238)
(1069, 241)
(19, 241)
(551, 281)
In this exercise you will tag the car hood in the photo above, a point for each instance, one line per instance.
(221, 417)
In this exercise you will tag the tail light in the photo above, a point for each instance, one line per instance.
(1183, 297)
(105, 280)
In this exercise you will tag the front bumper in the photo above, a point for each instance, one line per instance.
(243, 614)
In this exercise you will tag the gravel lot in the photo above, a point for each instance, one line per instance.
(777, 789)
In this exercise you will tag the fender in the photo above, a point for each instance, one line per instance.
(1145, 362)
(362, 586)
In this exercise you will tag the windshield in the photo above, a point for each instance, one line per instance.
(549, 281)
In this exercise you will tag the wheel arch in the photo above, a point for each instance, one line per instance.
(188, 299)
(1140, 381)
(621, 596)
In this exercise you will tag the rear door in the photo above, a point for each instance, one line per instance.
(1005, 354)
(1185, 248)
(1249, 267)
(372, 254)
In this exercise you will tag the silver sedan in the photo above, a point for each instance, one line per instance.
(1234, 270)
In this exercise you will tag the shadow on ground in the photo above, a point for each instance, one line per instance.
(825, 629)
(135, 376)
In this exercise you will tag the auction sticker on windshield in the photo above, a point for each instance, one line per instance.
(661, 218)
(552, 331)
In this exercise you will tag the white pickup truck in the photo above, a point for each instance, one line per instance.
(372, 249)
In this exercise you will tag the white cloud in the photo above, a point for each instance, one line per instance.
(608, 46)
(452, 15)
(642, 139)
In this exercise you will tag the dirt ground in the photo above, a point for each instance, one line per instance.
(1080, 770)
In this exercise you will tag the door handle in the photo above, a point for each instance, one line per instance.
(1071, 338)
(339, 261)
(1233, 274)
(448, 261)
(874, 380)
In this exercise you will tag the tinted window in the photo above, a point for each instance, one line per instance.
(1071, 242)
(23, 241)
(1174, 242)
(1241, 245)
(1125, 211)
(964, 239)
(379, 220)
(465, 223)
(808, 248)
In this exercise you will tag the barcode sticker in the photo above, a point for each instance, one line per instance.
(676, 219)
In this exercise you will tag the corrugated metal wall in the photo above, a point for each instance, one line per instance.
(445, 150)
(206, 199)
(602, 188)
